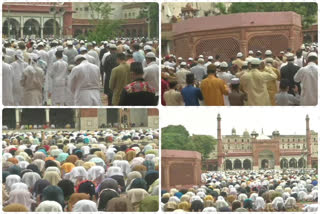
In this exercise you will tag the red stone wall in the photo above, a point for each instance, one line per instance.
(153, 112)
(180, 169)
(90, 112)
(228, 34)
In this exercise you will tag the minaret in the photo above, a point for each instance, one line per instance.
(308, 142)
(220, 152)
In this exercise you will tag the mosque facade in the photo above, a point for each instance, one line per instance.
(71, 19)
(84, 119)
(260, 151)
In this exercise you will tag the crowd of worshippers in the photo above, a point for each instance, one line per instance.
(247, 191)
(80, 171)
(124, 71)
(260, 79)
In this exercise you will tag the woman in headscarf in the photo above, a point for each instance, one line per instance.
(88, 165)
(13, 160)
(72, 159)
(138, 183)
(85, 206)
(10, 180)
(39, 163)
(39, 155)
(108, 183)
(87, 187)
(53, 193)
(149, 204)
(149, 164)
(151, 177)
(15, 208)
(133, 175)
(119, 204)
(130, 155)
(53, 177)
(15, 170)
(39, 186)
(135, 196)
(49, 206)
(96, 174)
(184, 205)
(74, 198)
(21, 196)
(34, 168)
(66, 168)
(140, 168)
(67, 188)
(104, 197)
(30, 178)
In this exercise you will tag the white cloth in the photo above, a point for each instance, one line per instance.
(182, 75)
(49, 206)
(44, 55)
(124, 165)
(32, 82)
(84, 83)
(95, 172)
(30, 178)
(21, 186)
(10, 180)
(95, 55)
(308, 78)
(85, 206)
(114, 170)
(58, 75)
(18, 66)
(19, 196)
(7, 84)
(151, 75)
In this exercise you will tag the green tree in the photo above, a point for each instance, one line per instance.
(105, 28)
(307, 10)
(152, 12)
(175, 137)
(203, 144)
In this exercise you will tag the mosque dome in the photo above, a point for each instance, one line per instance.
(233, 132)
(246, 133)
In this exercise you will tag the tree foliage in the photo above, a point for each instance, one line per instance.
(177, 137)
(307, 10)
(105, 28)
(203, 144)
(153, 14)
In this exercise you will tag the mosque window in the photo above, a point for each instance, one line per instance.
(242, 140)
(288, 140)
(235, 140)
(86, 9)
(228, 141)
(298, 140)
(77, 9)
(282, 140)
(80, 9)
(292, 140)
(298, 146)
(248, 140)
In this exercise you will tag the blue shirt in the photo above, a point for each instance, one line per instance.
(191, 95)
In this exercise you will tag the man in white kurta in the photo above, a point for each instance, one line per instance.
(18, 67)
(7, 84)
(151, 72)
(308, 78)
(84, 82)
(32, 82)
(94, 54)
(58, 75)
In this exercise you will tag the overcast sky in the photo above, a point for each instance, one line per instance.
(288, 120)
